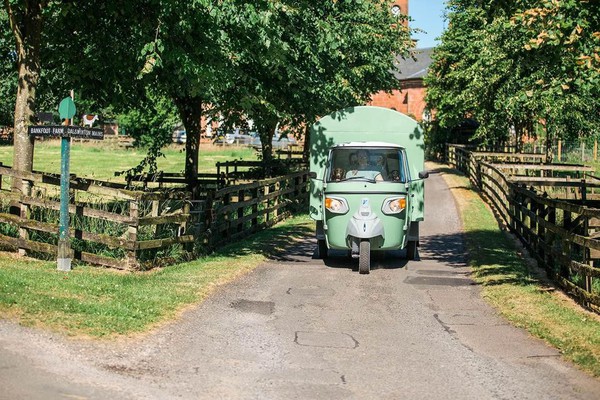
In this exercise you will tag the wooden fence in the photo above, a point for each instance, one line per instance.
(116, 226)
(561, 233)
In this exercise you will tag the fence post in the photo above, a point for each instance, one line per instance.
(587, 281)
(512, 215)
(209, 218)
(566, 245)
(533, 226)
(240, 211)
(559, 151)
(226, 202)
(183, 227)
(549, 239)
(276, 201)
(24, 213)
(541, 232)
(255, 195)
(266, 203)
(154, 213)
(132, 233)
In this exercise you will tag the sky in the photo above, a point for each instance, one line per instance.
(428, 16)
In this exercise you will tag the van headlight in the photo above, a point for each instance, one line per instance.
(336, 205)
(394, 205)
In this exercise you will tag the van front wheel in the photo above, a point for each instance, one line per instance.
(364, 257)
(322, 249)
(411, 250)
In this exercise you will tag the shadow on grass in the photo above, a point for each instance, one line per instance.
(286, 242)
(495, 260)
(492, 257)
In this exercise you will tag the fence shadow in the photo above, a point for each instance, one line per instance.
(280, 243)
(446, 248)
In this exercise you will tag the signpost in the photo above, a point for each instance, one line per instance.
(67, 110)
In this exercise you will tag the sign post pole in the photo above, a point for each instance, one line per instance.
(64, 246)
(66, 109)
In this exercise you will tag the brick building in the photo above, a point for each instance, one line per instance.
(410, 99)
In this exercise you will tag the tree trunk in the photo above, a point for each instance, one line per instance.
(519, 135)
(190, 110)
(266, 131)
(549, 140)
(306, 149)
(27, 32)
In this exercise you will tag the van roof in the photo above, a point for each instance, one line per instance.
(368, 144)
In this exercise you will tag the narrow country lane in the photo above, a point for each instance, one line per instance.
(303, 328)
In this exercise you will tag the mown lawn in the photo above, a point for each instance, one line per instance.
(101, 161)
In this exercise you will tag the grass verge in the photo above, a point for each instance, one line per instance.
(99, 303)
(519, 291)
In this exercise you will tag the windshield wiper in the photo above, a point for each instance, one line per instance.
(359, 177)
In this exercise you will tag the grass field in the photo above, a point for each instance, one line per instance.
(98, 161)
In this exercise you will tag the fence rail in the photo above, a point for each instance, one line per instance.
(563, 233)
(114, 226)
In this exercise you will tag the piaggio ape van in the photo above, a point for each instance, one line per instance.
(367, 182)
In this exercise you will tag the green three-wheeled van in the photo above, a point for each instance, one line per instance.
(367, 182)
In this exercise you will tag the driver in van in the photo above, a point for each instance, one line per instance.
(363, 169)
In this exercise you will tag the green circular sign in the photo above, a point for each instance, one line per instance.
(66, 108)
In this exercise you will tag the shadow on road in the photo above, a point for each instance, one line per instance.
(447, 248)
(379, 260)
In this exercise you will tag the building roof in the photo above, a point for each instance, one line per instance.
(414, 67)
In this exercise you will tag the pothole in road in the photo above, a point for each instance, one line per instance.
(336, 340)
(252, 306)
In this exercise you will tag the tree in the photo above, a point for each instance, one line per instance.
(274, 61)
(271, 61)
(320, 57)
(516, 65)
(561, 49)
(8, 72)
(90, 47)
(25, 19)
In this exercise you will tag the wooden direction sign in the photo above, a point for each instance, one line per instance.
(79, 132)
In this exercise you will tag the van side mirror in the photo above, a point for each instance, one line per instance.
(423, 174)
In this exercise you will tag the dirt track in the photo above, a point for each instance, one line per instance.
(302, 328)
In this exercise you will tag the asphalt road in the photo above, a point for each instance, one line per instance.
(302, 328)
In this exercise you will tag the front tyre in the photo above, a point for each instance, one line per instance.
(322, 250)
(364, 257)
(411, 250)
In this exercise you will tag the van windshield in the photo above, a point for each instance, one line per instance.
(374, 164)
